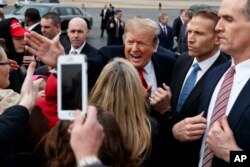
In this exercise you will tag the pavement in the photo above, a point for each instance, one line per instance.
(145, 4)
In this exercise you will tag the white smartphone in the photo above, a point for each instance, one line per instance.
(72, 85)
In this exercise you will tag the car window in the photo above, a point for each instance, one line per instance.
(66, 11)
(56, 10)
(21, 10)
(77, 11)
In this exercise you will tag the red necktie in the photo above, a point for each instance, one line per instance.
(219, 110)
(143, 81)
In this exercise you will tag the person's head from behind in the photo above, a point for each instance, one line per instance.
(119, 91)
(50, 25)
(163, 18)
(113, 152)
(203, 40)
(31, 16)
(233, 27)
(77, 32)
(4, 66)
(140, 43)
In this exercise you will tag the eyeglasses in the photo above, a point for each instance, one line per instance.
(5, 63)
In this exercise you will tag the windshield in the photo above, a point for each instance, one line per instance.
(42, 9)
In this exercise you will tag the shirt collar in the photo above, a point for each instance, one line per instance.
(78, 50)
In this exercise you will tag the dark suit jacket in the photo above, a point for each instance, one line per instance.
(64, 40)
(177, 27)
(190, 107)
(182, 42)
(239, 115)
(37, 29)
(104, 19)
(12, 123)
(111, 31)
(166, 41)
(88, 50)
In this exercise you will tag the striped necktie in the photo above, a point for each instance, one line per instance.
(219, 110)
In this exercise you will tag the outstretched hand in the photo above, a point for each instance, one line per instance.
(29, 91)
(43, 48)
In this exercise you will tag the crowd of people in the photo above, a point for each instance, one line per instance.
(150, 103)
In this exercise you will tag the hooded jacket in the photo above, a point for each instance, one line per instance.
(16, 77)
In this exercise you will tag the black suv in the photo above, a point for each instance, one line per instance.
(66, 12)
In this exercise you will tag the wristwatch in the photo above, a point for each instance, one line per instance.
(87, 161)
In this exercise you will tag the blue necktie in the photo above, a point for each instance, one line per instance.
(188, 86)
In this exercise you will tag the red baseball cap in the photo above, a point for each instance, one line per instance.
(16, 29)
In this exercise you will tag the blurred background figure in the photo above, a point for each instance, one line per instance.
(183, 43)
(115, 29)
(177, 27)
(1, 14)
(166, 38)
(105, 14)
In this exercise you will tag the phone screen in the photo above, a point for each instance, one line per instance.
(71, 86)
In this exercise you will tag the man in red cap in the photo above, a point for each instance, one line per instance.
(13, 32)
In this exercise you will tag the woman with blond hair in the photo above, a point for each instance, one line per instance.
(119, 91)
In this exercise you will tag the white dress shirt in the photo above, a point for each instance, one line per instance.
(241, 76)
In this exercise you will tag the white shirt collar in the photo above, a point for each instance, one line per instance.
(78, 50)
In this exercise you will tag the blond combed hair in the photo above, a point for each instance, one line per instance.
(119, 91)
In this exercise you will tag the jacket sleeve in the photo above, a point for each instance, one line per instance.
(12, 123)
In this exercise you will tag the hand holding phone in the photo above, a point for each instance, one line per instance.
(72, 85)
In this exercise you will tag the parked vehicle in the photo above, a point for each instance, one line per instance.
(66, 12)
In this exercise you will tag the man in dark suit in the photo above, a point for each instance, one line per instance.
(31, 20)
(115, 29)
(166, 38)
(177, 25)
(77, 33)
(203, 44)
(105, 14)
(182, 42)
(51, 28)
(230, 131)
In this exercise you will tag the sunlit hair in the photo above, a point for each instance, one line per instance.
(208, 14)
(148, 26)
(113, 152)
(119, 91)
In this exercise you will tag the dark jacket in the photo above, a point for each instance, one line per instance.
(111, 31)
(180, 151)
(166, 41)
(12, 123)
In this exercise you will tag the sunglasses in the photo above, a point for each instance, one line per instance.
(5, 63)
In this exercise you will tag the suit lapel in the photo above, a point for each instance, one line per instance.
(239, 106)
(213, 79)
(195, 93)
(179, 77)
